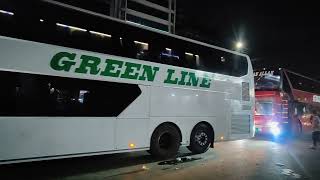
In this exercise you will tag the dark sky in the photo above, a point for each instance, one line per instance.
(281, 33)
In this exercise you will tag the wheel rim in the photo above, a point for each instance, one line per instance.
(165, 141)
(201, 138)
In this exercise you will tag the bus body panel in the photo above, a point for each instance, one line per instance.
(131, 133)
(171, 102)
(140, 108)
(32, 137)
(221, 106)
(41, 158)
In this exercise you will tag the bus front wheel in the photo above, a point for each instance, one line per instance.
(165, 141)
(200, 139)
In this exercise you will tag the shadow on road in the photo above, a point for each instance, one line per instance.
(75, 166)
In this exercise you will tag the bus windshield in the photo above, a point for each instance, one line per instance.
(263, 108)
(267, 81)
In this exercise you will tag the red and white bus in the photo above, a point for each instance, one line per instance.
(284, 101)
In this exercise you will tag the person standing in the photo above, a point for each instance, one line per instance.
(315, 129)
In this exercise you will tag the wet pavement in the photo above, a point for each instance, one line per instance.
(258, 158)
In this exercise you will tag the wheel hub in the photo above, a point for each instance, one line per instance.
(165, 141)
(201, 138)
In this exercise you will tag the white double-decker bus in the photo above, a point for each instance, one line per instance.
(79, 83)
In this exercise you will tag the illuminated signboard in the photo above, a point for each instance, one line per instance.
(263, 73)
(316, 98)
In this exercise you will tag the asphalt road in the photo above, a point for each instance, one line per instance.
(258, 158)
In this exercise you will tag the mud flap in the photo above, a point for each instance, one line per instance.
(212, 144)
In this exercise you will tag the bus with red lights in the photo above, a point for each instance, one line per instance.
(284, 102)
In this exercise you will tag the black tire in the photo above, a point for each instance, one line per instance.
(165, 141)
(200, 139)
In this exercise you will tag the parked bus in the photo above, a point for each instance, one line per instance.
(78, 83)
(284, 102)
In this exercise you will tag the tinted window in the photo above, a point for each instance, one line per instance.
(38, 95)
(99, 34)
(267, 80)
(304, 84)
(216, 61)
(100, 6)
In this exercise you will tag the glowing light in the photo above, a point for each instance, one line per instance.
(168, 49)
(239, 45)
(221, 137)
(71, 27)
(197, 94)
(275, 130)
(100, 34)
(6, 12)
(173, 95)
(190, 54)
(144, 167)
(131, 145)
(142, 43)
(41, 20)
(273, 124)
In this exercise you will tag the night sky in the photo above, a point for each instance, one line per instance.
(276, 33)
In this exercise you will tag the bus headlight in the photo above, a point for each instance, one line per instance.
(273, 124)
(274, 128)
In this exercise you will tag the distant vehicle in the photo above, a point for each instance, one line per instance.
(78, 83)
(284, 100)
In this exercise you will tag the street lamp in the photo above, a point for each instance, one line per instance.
(239, 45)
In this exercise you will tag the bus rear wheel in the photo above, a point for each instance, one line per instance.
(165, 141)
(200, 139)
